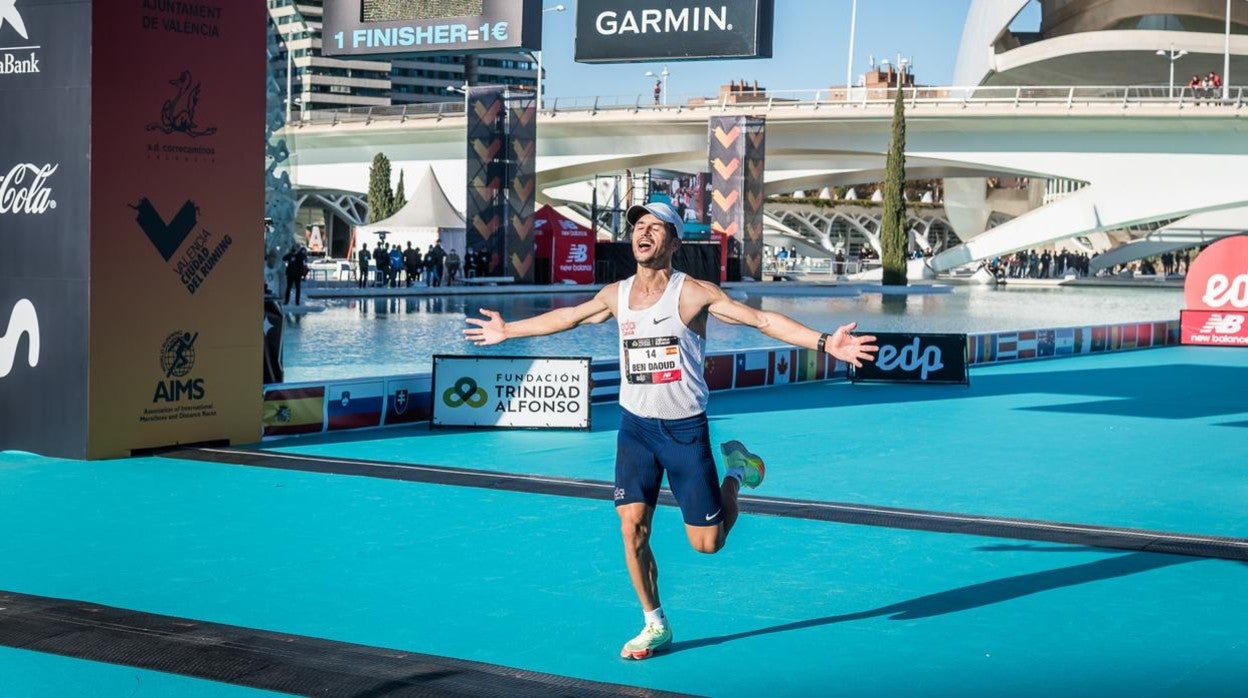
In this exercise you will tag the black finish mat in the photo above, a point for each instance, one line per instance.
(266, 660)
(1143, 540)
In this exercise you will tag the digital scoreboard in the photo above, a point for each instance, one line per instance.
(381, 27)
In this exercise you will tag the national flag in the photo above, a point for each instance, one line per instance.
(1046, 343)
(717, 370)
(751, 369)
(1170, 330)
(781, 366)
(604, 381)
(354, 405)
(1083, 340)
(408, 400)
(293, 411)
(812, 365)
(1100, 338)
(1027, 344)
(1129, 335)
(1007, 346)
(1064, 341)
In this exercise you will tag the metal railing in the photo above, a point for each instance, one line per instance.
(1069, 98)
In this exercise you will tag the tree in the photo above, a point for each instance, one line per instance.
(380, 197)
(893, 222)
(400, 196)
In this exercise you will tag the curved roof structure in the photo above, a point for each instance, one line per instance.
(1099, 42)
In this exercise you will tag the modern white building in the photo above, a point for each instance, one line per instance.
(1077, 107)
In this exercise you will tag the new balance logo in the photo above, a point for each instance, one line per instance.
(22, 321)
(1223, 323)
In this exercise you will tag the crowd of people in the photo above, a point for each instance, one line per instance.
(1207, 88)
(1045, 264)
(393, 265)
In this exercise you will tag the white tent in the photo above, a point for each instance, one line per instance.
(427, 217)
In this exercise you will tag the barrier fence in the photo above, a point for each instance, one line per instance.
(1065, 97)
(305, 408)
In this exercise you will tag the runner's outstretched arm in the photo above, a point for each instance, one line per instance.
(840, 344)
(493, 329)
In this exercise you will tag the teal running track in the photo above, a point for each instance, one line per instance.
(350, 547)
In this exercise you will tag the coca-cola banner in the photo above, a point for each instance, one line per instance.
(916, 358)
(44, 131)
(131, 211)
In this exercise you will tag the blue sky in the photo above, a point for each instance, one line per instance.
(810, 51)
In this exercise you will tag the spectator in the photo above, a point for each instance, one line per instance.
(381, 262)
(658, 91)
(411, 264)
(296, 268)
(396, 265)
(362, 258)
(452, 267)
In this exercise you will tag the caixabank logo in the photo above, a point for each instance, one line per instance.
(177, 358)
(19, 55)
(194, 264)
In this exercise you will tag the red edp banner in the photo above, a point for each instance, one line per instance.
(1216, 292)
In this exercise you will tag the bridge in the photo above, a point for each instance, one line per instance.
(1145, 158)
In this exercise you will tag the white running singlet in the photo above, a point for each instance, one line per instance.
(660, 358)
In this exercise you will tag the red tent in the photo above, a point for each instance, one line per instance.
(568, 244)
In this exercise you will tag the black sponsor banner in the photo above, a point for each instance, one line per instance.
(522, 185)
(502, 180)
(487, 144)
(916, 358)
(358, 27)
(735, 154)
(45, 111)
(621, 31)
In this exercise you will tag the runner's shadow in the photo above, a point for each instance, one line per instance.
(973, 596)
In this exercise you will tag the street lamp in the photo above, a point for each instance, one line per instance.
(1174, 56)
(663, 75)
(1226, 56)
(849, 64)
(538, 56)
(461, 90)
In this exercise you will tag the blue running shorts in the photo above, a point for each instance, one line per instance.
(681, 447)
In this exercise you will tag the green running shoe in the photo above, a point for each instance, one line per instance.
(654, 638)
(737, 456)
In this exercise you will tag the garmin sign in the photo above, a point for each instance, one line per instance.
(621, 31)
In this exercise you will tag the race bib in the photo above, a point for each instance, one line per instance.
(652, 360)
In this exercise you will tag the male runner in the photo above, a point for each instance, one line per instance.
(662, 318)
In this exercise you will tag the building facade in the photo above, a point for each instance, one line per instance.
(318, 82)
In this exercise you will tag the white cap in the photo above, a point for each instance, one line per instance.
(660, 210)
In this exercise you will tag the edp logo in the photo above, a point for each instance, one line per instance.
(910, 357)
(1220, 290)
